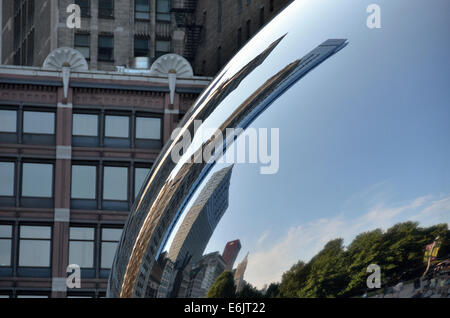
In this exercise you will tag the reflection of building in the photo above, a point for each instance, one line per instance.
(204, 273)
(230, 253)
(239, 274)
(199, 224)
(203, 217)
(73, 167)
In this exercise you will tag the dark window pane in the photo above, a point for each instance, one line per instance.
(111, 234)
(35, 246)
(81, 254)
(84, 180)
(141, 47)
(39, 123)
(8, 121)
(85, 125)
(117, 126)
(115, 183)
(139, 178)
(6, 178)
(105, 48)
(106, 8)
(142, 9)
(148, 128)
(37, 180)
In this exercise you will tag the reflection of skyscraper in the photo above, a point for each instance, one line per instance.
(239, 274)
(204, 273)
(199, 224)
(230, 253)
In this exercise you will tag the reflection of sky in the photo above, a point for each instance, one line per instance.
(365, 137)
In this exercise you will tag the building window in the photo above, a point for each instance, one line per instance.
(85, 125)
(85, 7)
(163, 10)
(261, 17)
(42, 123)
(148, 128)
(249, 31)
(83, 44)
(141, 47)
(105, 8)
(139, 177)
(8, 121)
(115, 183)
(35, 247)
(239, 6)
(162, 47)
(106, 48)
(249, 2)
(37, 180)
(271, 5)
(85, 130)
(7, 179)
(81, 249)
(5, 246)
(110, 240)
(142, 9)
(84, 180)
(117, 126)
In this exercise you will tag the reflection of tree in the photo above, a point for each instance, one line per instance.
(339, 272)
(223, 287)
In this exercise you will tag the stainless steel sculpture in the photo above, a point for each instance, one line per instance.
(386, 78)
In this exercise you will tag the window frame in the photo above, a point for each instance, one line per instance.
(136, 11)
(33, 201)
(86, 272)
(85, 10)
(114, 204)
(109, 14)
(148, 142)
(34, 271)
(104, 272)
(38, 138)
(88, 46)
(85, 203)
(85, 140)
(163, 16)
(100, 58)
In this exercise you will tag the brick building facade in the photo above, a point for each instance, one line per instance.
(71, 168)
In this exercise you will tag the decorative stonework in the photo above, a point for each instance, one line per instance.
(119, 98)
(171, 64)
(65, 57)
(28, 93)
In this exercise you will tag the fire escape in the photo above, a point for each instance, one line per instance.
(185, 18)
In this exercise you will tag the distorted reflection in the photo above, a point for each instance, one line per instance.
(360, 205)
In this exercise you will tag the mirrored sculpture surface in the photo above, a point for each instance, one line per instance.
(345, 170)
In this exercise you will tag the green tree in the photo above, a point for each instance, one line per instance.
(273, 290)
(223, 287)
(249, 291)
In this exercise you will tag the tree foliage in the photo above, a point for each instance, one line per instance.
(337, 271)
(223, 287)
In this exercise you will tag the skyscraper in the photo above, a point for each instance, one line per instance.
(230, 253)
(239, 274)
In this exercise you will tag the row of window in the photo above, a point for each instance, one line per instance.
(141, 9)
(82, 43)
(38, 127)
(25, 250)
(36, 185)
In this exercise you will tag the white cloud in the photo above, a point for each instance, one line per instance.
(303, 241)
